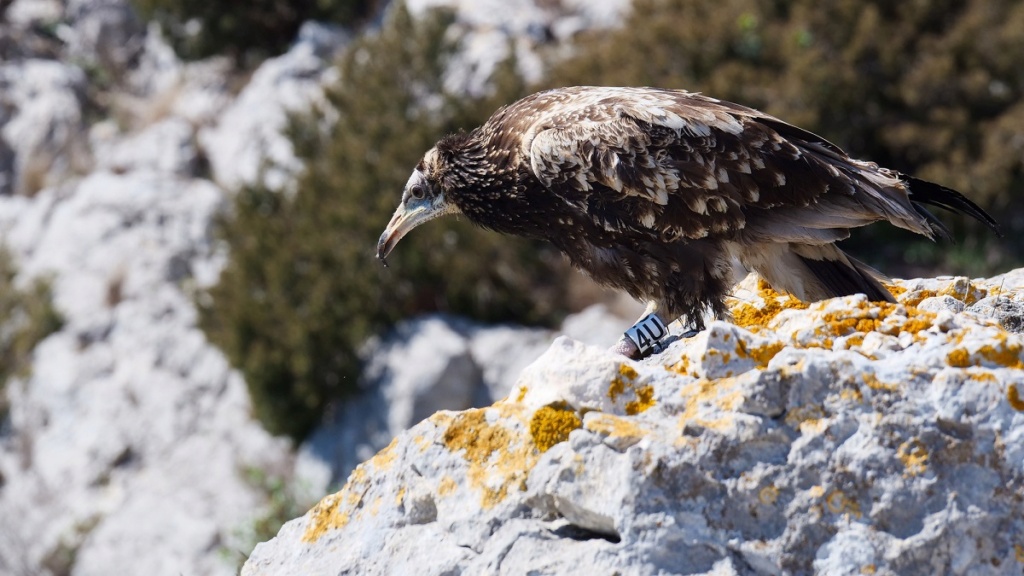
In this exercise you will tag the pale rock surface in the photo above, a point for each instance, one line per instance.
(424, 365)
(246, 145)
(489, 29)
(41, 124)
(843, 437)
(130, 442)
(131, 448)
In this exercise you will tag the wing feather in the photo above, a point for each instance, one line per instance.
(679, 165)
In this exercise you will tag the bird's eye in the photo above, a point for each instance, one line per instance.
(417, 192)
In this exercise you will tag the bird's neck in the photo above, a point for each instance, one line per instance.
(488, 188)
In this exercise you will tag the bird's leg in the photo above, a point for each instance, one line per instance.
(644, 337)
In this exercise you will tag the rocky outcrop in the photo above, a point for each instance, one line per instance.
(428, 364)
(843, 437)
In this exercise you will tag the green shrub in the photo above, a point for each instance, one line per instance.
(303, 289)
(26, 317)
(246, 31)
(929, 88)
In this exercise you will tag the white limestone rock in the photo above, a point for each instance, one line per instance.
(488, 29)
(841, 437)
(247, 144)
(130, 443)
(425, 365)
(41, 124)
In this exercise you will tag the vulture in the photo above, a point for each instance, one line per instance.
(662, 192)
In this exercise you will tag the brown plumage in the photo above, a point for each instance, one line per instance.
(659, 192)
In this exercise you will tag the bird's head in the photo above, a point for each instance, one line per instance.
(423, 199)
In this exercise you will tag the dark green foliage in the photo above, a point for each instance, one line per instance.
(247, 31)
(303, 289)
(929, 88)
(26, 317)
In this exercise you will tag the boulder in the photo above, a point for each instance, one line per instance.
(840, 437)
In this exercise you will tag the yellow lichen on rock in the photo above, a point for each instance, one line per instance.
(1013, 396)
(335, 511)
(839, 503)
(551, 425)
(914, 456)
(326, 516)
(496, 456)
(446, 486)
(761, 355)
(1004, 353)
(626, 380)
(623, 430)
(644, 400)
(747, 315)
(722, 393)
(768, 495)
(874, 383)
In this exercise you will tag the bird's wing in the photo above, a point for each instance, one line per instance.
(679, 165)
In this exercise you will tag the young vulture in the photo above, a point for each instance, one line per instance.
(659, 192)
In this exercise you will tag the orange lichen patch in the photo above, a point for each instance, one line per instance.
(681, 367)
(627, 371)
(868, 569)
(1004, 353)
(874, 383)
(621, 382)
(916, 297)
(896, 290)
(838, 503)
(400, 496)
(851, 395)
(796, 417)
(336, 510)
(551, 425)
(816, 491)
(983, 376)
(914, 456)
(768, 495)
(614, 426)
(724, 393)
(761, 355)
(522, 393)
(421, 442)
(497, 456)
(750, 316)
(446, 486)
(644, 400)
(958, 358)
(1014, 398)
(326, 515)
(873, 317)
(626, 380)
(1018, 550)
(964, 290)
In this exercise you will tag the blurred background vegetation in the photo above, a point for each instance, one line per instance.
(27, 316)
(304, 290)
(245, 31)
(931, 88)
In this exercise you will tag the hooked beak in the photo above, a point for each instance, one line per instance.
(409, 215)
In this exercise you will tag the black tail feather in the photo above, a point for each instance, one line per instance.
(842, 279)
(924, 192)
